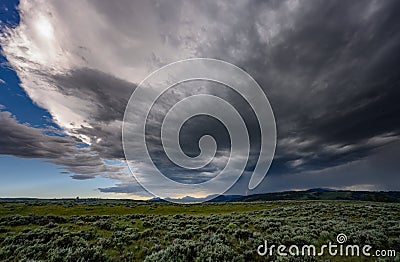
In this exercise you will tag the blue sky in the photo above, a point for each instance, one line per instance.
(68, 69)
(36, 178)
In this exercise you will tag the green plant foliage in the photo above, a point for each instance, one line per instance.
(134, 231)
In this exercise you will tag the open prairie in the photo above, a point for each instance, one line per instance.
(118, 230)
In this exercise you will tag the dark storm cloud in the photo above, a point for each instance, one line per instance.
(329, 68)
(194, 128)
(107, 94)
(107, 97)
(330, 75)
(22, 140)
(351, 96)
(126, 188)
(377, 171)
(329, 71)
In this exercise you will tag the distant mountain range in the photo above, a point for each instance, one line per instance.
(326, 194)
(311, 194)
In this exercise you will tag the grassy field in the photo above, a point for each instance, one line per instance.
(71, 207)
(111, 230)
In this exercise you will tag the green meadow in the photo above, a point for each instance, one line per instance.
(119, 230)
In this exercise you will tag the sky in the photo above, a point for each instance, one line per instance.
(329, 69)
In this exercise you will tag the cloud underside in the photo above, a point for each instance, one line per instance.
(329, 69)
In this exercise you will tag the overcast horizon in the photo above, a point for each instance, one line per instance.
(330, 70)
